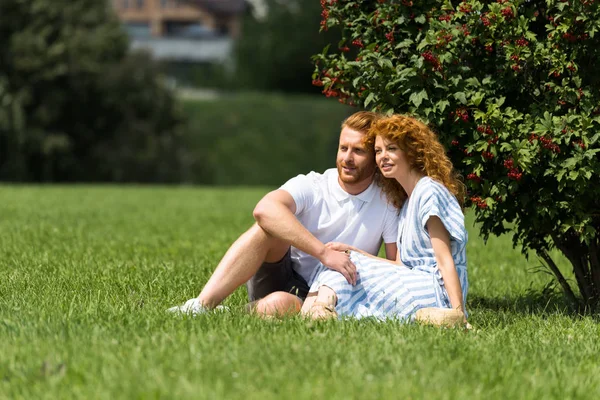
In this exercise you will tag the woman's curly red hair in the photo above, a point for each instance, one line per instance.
(423, 151)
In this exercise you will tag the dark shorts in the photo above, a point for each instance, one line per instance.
(274, 277)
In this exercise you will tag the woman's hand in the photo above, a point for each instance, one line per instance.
(337, 246)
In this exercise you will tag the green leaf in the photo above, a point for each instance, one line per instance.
(477, 98)
(421, 19)
(369, 99)
(417, 98)
(385, 62)
(573, 175)
(442, 104)
(404, 43)
(460, 96)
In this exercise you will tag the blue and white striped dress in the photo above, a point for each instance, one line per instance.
(385, 290)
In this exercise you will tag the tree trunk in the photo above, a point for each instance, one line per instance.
(586, 266)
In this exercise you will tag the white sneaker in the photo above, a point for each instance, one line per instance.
(193, 307)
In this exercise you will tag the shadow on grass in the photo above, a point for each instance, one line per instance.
(543, 303)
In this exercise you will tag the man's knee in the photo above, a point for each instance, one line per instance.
(278, 304)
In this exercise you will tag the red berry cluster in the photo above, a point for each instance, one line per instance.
(479, 202)
(569, 37)
(390, 37)
(358, 43)
(473, 177)
(345, 49)
(546, 142)
(465, 8)
(324, 14)
(489, 48)
(455, 142)
(407, 3)
(443, 38)
(493, 140)
(485, 20)
(430, 58)
(515, 174)
(465, 30)
(331, 93)
(507, 12)
(521, 42)
(488, 155)
(461, 113)
(485, 129)
(445, 17)
(317, 82)
(553, 147)
(579, 143)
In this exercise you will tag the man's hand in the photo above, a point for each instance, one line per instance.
(340, 262)
(337, 246)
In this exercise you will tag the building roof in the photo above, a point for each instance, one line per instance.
(222, 6)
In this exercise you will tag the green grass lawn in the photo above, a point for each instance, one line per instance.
(86, 273)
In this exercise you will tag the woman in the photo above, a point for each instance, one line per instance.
(430, 269)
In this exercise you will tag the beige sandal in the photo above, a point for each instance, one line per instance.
(321, 310)
(441, 317)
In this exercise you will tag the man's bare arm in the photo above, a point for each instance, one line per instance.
(274, 213)
(346, 247)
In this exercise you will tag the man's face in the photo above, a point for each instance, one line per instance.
(354, 163)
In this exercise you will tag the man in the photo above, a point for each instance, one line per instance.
(278, 255)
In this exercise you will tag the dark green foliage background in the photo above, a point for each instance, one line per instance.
(74, 106)
(260, 139)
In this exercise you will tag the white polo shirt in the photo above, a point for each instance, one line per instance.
(333, 215)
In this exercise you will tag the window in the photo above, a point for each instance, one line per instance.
(138, 29)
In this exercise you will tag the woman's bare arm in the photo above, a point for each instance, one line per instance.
(440, 241)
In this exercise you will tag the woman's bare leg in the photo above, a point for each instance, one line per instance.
(320, 305)
(310, 300)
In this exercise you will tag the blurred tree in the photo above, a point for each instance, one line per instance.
(74, 106)
(274, 52)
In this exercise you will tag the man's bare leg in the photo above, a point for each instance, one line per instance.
(278, 304)
(240, 263)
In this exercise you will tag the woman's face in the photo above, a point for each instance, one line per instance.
(390, 159)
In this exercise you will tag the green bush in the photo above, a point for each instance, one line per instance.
(74, 106)
(512, 88)
(259, 139)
